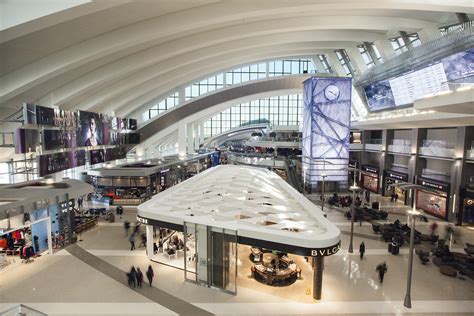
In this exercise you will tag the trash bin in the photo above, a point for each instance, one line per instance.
(111, 217)
(375, 205)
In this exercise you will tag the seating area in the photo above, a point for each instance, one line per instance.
(366, 214)
(453, 263)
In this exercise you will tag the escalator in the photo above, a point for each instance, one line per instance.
(293, 178)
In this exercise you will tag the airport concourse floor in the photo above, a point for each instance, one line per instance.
(88, 278)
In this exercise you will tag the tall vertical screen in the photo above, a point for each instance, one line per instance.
(326, 129)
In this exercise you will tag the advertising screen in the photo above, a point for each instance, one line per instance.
(115, 153)
(132, 138)
(326, 129)
(90, 129)
(57, 139)
(434, 78)
(26, 140)
(96, 156)
(57, 162)
(431, 203)
(370, 183)
(45, 116)
(65, 119)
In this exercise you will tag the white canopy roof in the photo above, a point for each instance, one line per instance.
(255, 202)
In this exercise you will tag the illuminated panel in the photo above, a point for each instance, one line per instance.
(326, 129)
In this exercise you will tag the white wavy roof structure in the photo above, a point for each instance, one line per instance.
(255, 202)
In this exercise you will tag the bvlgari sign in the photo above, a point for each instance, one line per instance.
(323, 252)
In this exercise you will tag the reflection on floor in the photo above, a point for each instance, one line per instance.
(61, 284)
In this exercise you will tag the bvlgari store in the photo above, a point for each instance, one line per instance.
(232, 224)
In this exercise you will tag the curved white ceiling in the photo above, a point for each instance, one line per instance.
(116, 55)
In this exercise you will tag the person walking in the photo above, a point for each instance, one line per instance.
(150, 274)
(131, 239)
(139, 277)
(382, 269)
(362, 249)
(126, 226)
(131, 276)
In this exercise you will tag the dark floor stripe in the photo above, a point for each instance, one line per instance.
(156, 295)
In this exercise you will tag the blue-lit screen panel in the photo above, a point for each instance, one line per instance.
(432, 78)
(326, 129)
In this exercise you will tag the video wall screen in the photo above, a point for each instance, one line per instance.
(58, 139)
(132, 138)
(57, 162)
(132, 124)
(115, 153)
(407, 88)
(26, 140)
(431, 203)
(370, 183)
(96, 156)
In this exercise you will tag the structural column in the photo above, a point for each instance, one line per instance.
(318, 277)
(356, 59)
(182, 138)
(149, 241)
(385, 160)
(385, 49)
(459, 170)
(428, 33)
(190, 138)
(319, 65)
(336, 64)
(415, 165)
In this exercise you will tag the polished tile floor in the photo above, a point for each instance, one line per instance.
(94, 283)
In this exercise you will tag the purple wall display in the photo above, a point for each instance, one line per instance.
(26, 140)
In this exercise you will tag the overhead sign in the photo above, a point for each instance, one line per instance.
(370, 169)
(397, 176)
(434, 185)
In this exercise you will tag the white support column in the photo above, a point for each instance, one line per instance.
(429, 33)
(201, 133)
(181, 95)
(356, 59)
(197, 136)
(385, 49)
(182, 138)
(149, 241)
(48, 231)
(336, 64)
(190, 138)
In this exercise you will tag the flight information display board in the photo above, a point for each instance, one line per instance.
(434, 78)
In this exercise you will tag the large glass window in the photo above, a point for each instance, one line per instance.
(238, 75)
(279, 110)
(164, 105)
(324, 61)
(345, 62)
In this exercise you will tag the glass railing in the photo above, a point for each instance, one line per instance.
(375, 141)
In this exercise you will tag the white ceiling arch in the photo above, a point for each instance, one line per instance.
(118, 55)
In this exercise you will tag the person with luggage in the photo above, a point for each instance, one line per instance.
(382, 269)
(362, 249)
(150, 274)
(139, 277)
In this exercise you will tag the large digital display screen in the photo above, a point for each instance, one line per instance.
(115, 153)
(44, 116)
(26, 140)
(96, 156)
(326, 129)
(58, 139)
(90, 129)
(407, 88)
(431, 203)
(57, 162)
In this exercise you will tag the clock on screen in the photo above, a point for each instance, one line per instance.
(331, 92)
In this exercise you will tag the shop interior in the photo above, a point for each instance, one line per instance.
(277, 272)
